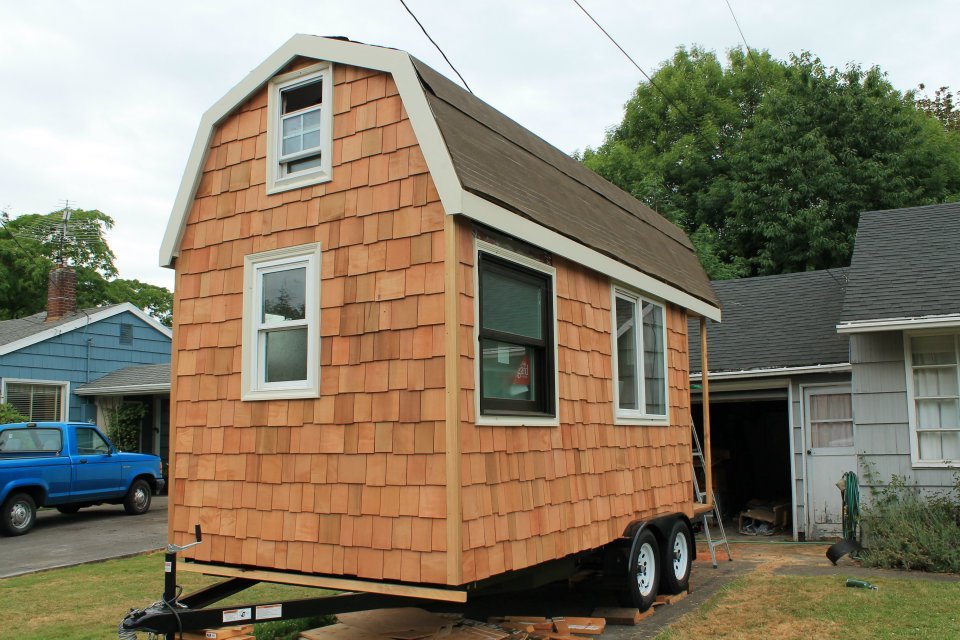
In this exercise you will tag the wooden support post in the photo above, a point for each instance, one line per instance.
(705, 395)
(451, 291)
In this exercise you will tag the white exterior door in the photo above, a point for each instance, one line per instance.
(828, 424)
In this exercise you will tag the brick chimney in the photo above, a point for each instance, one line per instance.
(61, 293)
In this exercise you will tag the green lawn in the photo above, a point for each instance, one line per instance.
(763, 605)
(88, 601)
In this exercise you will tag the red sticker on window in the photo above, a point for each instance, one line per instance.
(522, 376)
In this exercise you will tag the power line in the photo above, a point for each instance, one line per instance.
(680, 110)
(422, 28)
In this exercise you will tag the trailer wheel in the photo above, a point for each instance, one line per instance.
(138, 498)
(644, 569)
(19, 515)
(677, 559)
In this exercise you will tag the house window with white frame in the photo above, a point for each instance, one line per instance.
(282, 323)
(515, 332)
(300, 133)
(935, 410)
(38, 401)
(639, 344)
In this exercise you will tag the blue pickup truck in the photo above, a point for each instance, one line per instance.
(68, 466)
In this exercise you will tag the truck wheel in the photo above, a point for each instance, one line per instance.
(643, 573)
(68, 509)
(676, 560)
(19, 515)
(138, 498)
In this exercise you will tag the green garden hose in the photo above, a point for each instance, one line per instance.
(851, 505)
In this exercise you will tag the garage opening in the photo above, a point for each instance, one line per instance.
(751, 461)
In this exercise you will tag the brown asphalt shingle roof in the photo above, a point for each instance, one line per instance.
(504, 163)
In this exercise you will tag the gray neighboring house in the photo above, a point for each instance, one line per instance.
(902, 316)
(814, 374)
(780, 403)
(148, 385)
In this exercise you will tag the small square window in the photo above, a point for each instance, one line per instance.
(516, 339)
(639, 344)
(300, 133)
(282, 323)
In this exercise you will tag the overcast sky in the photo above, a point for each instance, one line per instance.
(100, 101)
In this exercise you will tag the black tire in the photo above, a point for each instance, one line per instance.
(137, 500)
(19, 515)
(68, 509)
(676, 560)
(643, 570)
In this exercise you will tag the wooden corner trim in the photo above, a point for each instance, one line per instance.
(452, 400)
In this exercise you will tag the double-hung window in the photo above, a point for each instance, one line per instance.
(300, 132)
(935, 403)
(282, 324)
(515, 333)
(641, 373)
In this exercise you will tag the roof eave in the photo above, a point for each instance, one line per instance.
(122, 390)
(908, 323)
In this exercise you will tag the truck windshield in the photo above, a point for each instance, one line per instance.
(30, 440)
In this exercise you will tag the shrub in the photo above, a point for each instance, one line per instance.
(9, 413)
(123, 426)
(906, 529)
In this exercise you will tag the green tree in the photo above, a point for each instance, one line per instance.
(30, 246)
(941, 107)
(768, 163)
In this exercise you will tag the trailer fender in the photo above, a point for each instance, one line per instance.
(661, 526)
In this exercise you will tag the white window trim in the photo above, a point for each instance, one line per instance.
(64, 392)
(251, 370)
(276, 182)
(638, 416)
(480, 419)
(915, 460)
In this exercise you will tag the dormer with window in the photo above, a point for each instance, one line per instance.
(300, 130)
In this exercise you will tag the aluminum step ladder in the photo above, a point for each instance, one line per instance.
(701, 498)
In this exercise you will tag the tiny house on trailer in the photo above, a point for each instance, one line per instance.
(415, 346)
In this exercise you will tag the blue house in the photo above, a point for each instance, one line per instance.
(47, 358)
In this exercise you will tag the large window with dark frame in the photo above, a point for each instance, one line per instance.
(640, 355)
(516, 339)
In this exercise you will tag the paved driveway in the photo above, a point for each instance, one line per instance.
(97, 533)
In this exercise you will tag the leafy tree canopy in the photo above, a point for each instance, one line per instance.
(30, 246)
(767, 164)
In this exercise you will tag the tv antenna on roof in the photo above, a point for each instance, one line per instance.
(59, 231)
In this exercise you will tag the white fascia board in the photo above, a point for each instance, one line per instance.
(160, 387)
(397, 63)
(84, 320)
(900, 324)
(496, 217)
(841, 367)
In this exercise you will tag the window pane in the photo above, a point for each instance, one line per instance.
(940, 446)
(654, 383)
(291, 145)
(30, 440)
(832, 434)
(935, 382)
(302, 96)
(511, 305)
(284, 295)
(508, 370)
(311, 120)
(39, 402)
(933, 350)
(292, 126)
(830, 406)
(937, 414)
(627, 354)
(285, 355)
(90, 443)
(303, 165)
(311, 140)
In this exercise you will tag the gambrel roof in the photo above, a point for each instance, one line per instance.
(490, 169)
